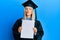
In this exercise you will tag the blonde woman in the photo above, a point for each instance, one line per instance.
(29, 14)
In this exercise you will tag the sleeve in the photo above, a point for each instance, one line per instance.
(40, 31)
(16, 34)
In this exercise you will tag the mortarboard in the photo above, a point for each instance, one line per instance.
(30, 3)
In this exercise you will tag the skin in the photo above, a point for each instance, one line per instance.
(28, 11)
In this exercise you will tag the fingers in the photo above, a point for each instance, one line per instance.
(35, 30)
(19, 29)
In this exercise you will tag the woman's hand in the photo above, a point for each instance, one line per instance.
(35, 30)
(19, 29)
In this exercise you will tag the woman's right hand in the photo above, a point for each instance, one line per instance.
(19, 29)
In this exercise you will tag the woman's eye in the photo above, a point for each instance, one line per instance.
(30, 9)
(26, 9)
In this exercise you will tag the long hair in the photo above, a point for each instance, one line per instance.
(32, 15)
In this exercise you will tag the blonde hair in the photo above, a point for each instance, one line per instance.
(32, 16)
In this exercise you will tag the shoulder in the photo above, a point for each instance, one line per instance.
(37, 21)
(20, 19)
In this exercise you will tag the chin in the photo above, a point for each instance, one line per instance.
(28, 14)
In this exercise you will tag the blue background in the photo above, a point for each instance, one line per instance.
(48, 12)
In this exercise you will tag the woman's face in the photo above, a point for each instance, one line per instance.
(28, 10)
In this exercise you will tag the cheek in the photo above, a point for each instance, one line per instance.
(30, 11)
(25, 10)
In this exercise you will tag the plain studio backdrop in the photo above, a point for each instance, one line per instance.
(48, 12)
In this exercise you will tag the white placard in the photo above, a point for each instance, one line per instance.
(27, 29)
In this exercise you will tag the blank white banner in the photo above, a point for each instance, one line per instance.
(27, 29)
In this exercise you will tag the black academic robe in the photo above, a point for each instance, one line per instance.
(38, 35)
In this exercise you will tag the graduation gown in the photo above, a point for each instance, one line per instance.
(18, 23)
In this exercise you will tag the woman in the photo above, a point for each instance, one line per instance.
(28, 15)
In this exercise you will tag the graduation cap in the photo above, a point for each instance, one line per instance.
(31, 4)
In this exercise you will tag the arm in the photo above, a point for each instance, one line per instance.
(40, 32)
(16, 34)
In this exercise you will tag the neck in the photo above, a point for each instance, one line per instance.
(28, 16)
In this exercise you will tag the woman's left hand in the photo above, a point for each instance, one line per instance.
(35, 30)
